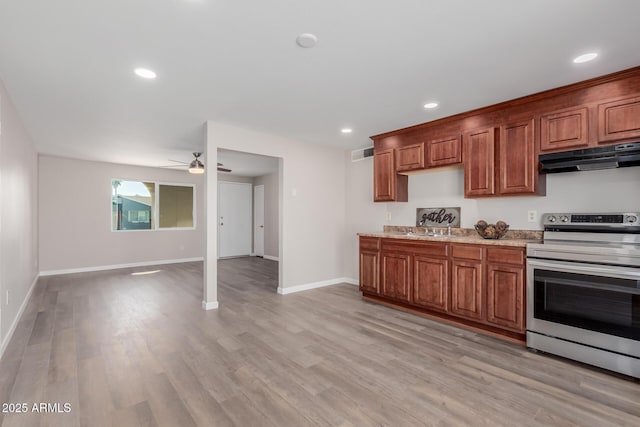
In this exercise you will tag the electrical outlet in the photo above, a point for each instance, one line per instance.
(6, 301)
(388, 216)
(532, 216)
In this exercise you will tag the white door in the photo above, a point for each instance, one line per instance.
(258, 220)
(234, 219)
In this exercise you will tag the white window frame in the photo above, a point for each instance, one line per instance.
(156, 208)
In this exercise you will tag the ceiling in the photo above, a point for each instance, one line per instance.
(68, 66)
(247, 164)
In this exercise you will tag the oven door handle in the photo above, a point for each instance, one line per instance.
(600, 286)
(580, 268)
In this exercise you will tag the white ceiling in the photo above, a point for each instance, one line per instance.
(247, 164)
(68, 66)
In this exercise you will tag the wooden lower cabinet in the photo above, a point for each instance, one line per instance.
(478, 285)
(370, 265)
(467, 289)
(505, 289)
(430, 283)
(396, 276)
(369, 272)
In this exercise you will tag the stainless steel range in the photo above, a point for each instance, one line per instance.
(583, 289)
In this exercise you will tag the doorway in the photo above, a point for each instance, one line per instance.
(262, 175)
(258, 220)
(234, 219)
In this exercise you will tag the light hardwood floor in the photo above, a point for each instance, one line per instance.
(137, 350)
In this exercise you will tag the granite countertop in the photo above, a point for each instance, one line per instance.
(516, 238)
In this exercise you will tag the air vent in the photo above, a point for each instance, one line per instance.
(361, 154)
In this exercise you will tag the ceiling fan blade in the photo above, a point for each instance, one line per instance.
(178, 161)
(223, 169)
(173, 166)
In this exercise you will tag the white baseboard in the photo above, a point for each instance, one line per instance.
(14, 325)
(314, 285)
(351, 281)
(211, 305)
(117, 266)
(272, 258)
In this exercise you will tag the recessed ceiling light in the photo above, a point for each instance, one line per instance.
(307, 40)
(346, 130)
(145, 73)
(585, 58)
(431, 105)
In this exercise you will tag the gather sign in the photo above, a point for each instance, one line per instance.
(438, 217)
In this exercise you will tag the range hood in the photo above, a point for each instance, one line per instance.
(609, 157)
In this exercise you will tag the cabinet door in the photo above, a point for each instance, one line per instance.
(479, 162)
(387, 186)
(518, 165)
(430, 282)
(446, 151)
(505, 296)
(619, 119)
(410, 157)
(466, 289)
(564, 130)
(396, 276)
(369, 273)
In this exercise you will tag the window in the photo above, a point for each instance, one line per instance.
(135, 205)
(176, 206)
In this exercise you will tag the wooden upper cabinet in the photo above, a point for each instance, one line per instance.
(444, 151)
(518, 164)
(479, 162)
(619, 120)
(410, 157)
(387, 185)
(564, 130)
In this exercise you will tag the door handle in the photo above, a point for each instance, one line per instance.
(262, 226)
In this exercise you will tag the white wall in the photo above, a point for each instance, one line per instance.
(271, 229)
(313, 222)
(18, 216)
(75, 217)
(234, 178)
(593, 191)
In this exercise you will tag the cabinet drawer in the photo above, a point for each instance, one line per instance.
(505, 256)
(432, 249)
(467, 252)
(369, 243)
(415, 247)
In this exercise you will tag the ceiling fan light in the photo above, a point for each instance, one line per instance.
(196, 167)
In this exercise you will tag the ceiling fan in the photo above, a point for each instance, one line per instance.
(196, 166)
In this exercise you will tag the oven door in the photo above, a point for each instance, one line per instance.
(590, 304)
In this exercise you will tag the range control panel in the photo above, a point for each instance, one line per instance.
(614, 220)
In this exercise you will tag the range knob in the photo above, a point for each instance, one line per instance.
(551, 218)
(631, 219)
(564, 218)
